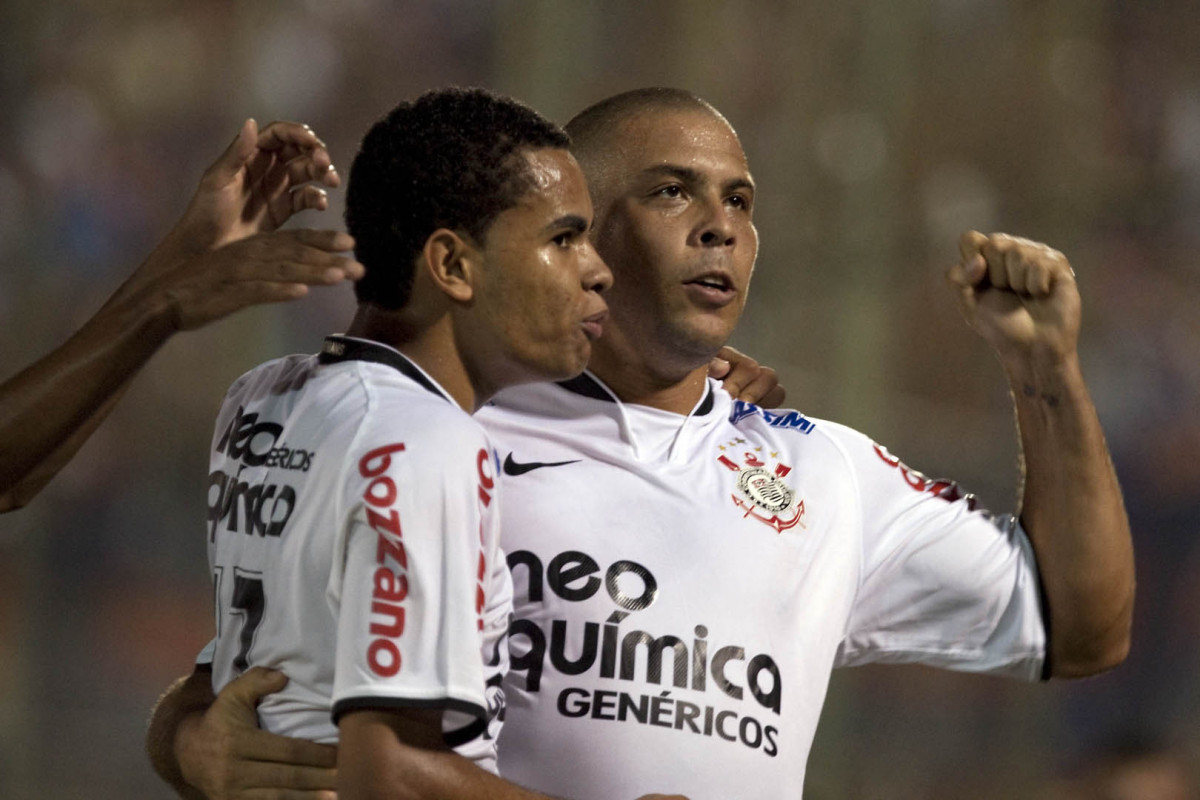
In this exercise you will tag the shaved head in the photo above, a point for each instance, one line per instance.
(596, 132)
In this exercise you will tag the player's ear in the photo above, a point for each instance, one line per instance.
(451, 261)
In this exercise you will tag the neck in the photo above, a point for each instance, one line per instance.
(634, 379)
(431, 346)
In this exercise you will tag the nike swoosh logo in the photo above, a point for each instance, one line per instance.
(512, 467)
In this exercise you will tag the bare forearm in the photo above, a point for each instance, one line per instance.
(184, 702)
(1072, 509)
(48, 410)
(400, 755)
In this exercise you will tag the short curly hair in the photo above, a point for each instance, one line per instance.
(449, 159)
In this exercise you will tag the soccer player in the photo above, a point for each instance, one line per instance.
(353, 500)
(224, 254)
(689, 568)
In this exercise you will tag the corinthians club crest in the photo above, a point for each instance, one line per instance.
(761, 491)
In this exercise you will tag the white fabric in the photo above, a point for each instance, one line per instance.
(382, 549)
(672, 634)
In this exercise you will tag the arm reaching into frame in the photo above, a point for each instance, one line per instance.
(207, 747)
(223, 255)
(1021, 297)
(212, 747)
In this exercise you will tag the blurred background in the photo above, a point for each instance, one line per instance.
(877, 133)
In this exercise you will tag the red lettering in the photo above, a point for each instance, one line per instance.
(727, 462)
(390, 586)
(781, 470)
(887, 457)
(394, 628)
(390, 523)
(379, 667)
(385, 547)
(389, 492)
(752, 461)
(383, 455)
(482, 566)
(484, 478)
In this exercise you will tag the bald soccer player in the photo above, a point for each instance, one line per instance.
(688, 567)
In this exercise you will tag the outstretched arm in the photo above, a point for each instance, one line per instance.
(1022, 299)
(223, 255)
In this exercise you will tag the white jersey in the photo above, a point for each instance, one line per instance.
(352, 534)
(684, 585)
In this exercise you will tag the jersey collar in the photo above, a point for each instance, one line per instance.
(339, 348)
(589, 385)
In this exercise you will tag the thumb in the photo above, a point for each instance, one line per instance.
(237, 154)
(718, 368)
(963, 283)
(255, 684)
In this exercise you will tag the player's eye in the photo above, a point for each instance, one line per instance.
(671, 191)
(564, 239)
(740, 201)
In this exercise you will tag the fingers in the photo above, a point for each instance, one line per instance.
(1009, 263)
(296, 256)
(240, 150)
(252, 686)
(284, 761)
(280, 135)
(746, 379)
(774, 398)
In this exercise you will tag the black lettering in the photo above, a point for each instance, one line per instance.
(750, 722)
(686, 713)
(770, 748)
(218, 480)
(654, 648)
(700, 659)
(608, 652)
(571, 566)
(558, 646)
(627, 705)
(708, 720)
(534, 565)
(577, 709)
(603, 701)
(280, 517)
(660, 707)
(649, 585)
(759, 664)
(260, 525)
(721, 717)
(722, 657)
(531, 661)
(250, 500)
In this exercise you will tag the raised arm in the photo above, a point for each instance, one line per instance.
(223, 255)
(1022, 299)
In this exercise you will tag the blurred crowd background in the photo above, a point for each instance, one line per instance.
(877, 133)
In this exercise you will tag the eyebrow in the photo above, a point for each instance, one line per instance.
(689, 175)
(572, 222)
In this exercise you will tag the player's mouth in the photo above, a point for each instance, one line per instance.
(713, 288)
(593, 326)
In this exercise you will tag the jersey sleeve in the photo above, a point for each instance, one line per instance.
(406, 589)
(942, 583)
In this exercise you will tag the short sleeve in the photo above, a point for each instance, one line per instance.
(406, 587)
(943, 583)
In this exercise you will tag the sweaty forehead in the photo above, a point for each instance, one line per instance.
(690, 138)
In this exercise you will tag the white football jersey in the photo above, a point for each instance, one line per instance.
(352, 534)
(684, 585)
